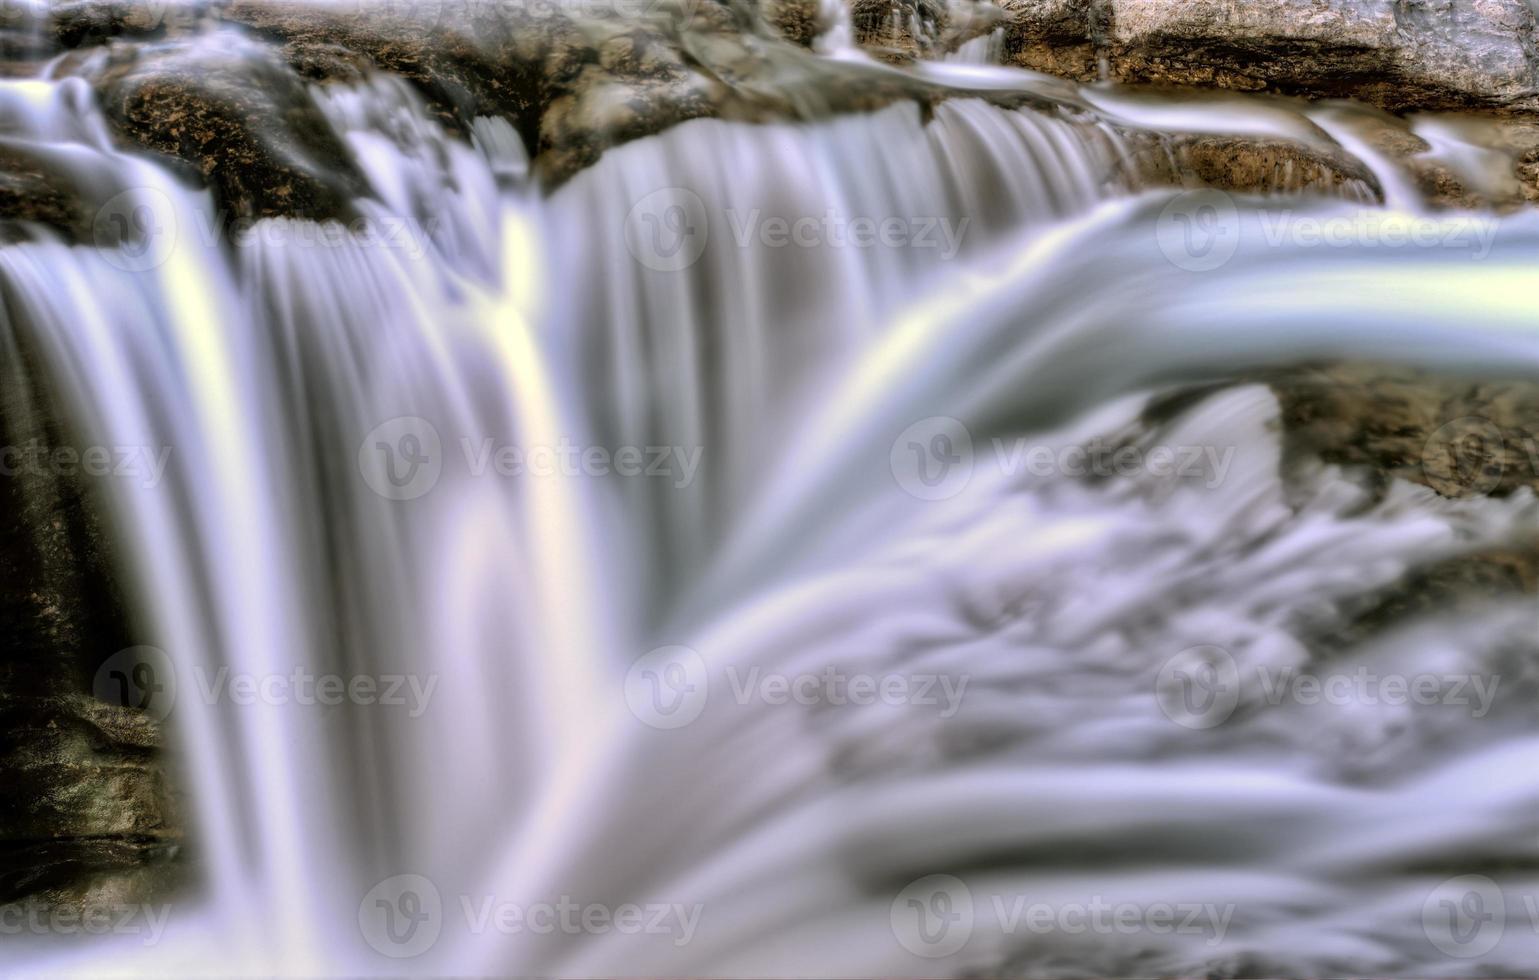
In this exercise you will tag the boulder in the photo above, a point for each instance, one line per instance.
(236, 112)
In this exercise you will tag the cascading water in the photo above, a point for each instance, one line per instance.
(817, 344)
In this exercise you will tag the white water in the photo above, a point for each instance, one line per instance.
(646, 304)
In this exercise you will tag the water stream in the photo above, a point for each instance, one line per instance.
(582, 470)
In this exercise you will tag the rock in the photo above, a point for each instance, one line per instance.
(798, 21)
(89, 809)
(1397, 54)
(1461, 438)
(1054, 36)
(241, 116)
(1245, 165)
(33, 188)
(92, 771)
(899, 30)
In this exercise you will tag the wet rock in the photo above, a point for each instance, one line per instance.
(1054, 36)
(487, 59)
(92, 770)
(1245, 165)
(798, 21)
(35, 189)
(237, 113)
(89, 807)
(1463, 439)
(1398, 54)
(93, 875)
(900, 30)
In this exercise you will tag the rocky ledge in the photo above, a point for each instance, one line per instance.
(226, 86)
(1396, 54)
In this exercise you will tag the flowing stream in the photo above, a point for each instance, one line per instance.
(583, 471)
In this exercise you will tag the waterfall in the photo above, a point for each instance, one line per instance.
(674, 429)
(985, 49)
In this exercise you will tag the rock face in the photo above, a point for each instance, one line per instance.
(89, 815)
(1462, 439)
(1397, 54)
(238, 114)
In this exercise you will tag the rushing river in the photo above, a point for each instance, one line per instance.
(734, 552)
